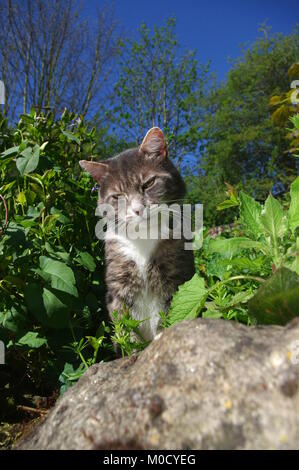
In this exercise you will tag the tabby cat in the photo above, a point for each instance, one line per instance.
(143, 273)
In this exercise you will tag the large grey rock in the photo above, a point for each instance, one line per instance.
(204, 384)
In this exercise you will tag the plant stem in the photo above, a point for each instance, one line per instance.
(78, 352)
(235, 278)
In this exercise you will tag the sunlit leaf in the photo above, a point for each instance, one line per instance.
(188, 300)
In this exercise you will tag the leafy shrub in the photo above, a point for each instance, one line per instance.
(51, 268)
(252, 276)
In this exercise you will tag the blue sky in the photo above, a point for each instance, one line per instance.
(216, 28)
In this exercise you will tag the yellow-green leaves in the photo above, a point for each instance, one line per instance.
(21, 198)
(232, 200)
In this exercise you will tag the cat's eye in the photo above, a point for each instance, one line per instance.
(149, 183)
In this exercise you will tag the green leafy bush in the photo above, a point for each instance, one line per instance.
(252, 276)
(51, 263)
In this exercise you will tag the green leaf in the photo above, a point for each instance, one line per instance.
(250, 214)
(15, 319)
(86, 260)
(9, 152)
(32, 340)
(57, 304)
(21, 198)
(277, 300)
(60, 215)
(273, 219)
(294, 266)
(217, 267)
(70, 375)
(60, 276)
(255, 265)
(229, 247)
(49, 306)
(238, 298)
(188, 300)
(227, 204)
(294, 206)
(7, 187)
(28, 160)
(210, 313)
(71, 137)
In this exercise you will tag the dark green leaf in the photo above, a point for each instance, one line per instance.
(86, 260)
(59, 275)
(50, 307)
(277, 300)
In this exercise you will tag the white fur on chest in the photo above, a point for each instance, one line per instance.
(146, 308)
(139, 251)
(147, 304)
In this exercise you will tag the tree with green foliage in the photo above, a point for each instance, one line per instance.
(160, 86)
(242, 144)
(286, 110)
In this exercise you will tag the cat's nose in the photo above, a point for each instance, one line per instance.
(137, 207)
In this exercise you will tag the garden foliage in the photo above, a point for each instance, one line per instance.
(252, 275)
(51, 263)
(52, 312)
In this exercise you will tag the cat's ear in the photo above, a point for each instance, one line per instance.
(96, 169)
(154, 144)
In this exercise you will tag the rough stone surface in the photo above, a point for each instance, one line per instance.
(203, 384)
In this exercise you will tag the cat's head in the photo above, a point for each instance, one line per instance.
(143, 176)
